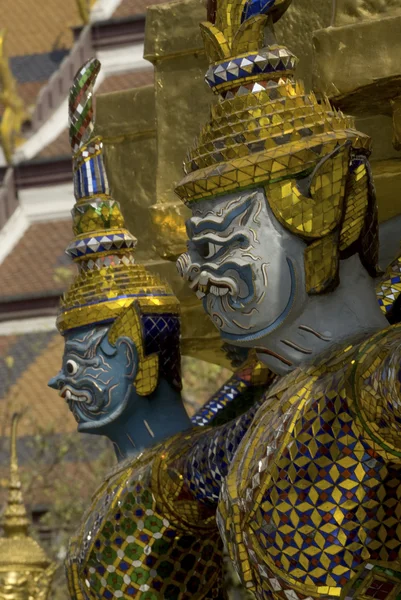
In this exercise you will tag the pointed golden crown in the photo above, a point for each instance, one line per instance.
(109, 280)
(266, 131)
(266, 127)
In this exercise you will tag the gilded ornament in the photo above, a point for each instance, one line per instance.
(26, 572)
(15, 114)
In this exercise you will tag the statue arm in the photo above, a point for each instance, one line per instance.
(245, 388)
(208, 461)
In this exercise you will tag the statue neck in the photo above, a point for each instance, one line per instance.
(327, 321)
(147, 421)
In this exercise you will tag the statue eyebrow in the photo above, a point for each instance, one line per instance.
(79, 348)
(87, 346)
(197, 225)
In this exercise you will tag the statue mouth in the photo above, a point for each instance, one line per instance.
(76, 400)
(206, 284)
(211, 288)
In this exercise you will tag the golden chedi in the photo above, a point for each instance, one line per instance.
(25, 571)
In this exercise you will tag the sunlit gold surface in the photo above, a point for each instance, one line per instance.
(352, 11)
(356, 64)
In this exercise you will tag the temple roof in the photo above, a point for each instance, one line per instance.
(38, 264)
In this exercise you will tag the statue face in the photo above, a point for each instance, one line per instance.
(244, 265)
(96, 379)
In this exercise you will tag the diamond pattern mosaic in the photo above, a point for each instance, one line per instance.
(253, 66)
(133, 544)
(389, 288)
(312, 495)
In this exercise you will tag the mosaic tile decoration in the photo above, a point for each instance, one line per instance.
(389, 287)
(268, 132)
(108, 279)
(132, 543)
(244, 389)
(312, 495)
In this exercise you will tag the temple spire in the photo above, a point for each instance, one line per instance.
(14, 520)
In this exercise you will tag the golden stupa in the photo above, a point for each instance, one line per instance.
(26, 572)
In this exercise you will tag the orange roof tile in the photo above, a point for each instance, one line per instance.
(38, 264)
(37, 27)
(58, 147)
(28, 364)
(29, 92)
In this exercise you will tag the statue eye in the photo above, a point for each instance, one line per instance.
(211, 250)
(71, 367)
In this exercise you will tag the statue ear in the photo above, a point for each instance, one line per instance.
(129, 325)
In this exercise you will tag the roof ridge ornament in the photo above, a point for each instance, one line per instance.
(15, 114)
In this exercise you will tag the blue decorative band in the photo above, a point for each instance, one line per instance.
(90, 178)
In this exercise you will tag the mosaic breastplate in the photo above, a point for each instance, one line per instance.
(145, 536)
(312, 503)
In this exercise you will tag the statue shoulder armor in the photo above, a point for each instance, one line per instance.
(140, 518)
(375, 390)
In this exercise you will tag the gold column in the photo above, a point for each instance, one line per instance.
(173, 44)
(357, 65)
(126, 122)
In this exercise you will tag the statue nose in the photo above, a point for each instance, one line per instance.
(57, 382)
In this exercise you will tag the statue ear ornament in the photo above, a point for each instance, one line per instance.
(109, 287)
(267, 131)
(128, 324)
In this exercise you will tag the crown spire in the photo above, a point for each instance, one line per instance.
(14, 520)
(234, 38)
(108, 278)
(266, 127)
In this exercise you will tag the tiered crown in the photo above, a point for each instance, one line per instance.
(265, 128)
(108, 280)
